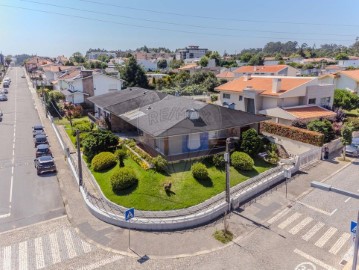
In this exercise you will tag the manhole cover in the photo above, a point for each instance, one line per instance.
(343, 262)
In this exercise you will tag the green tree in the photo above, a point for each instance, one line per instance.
(133, 74)
(345, 99)
(77, 57)
(256, 60)
(215, 55)
(341, 56)
(251, 143)
(203, 61)
(162, 64)
(246, 57)
(174, 64)
(346, 132)
(8, 60)
(98, 141)
(103, 58)
(324, 127)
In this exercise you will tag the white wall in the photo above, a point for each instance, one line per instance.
(234, 98)
(147, 64)
(318, 92)
(269, 102)
(288, 102)
(348, 63)
(103, 84)
(344, 82)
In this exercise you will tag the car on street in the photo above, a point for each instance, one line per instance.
(43, 150)
(40, 139)
(355, 142)
(44, 164)
(3, 97)
(23, 76)
(1, 115)
(37, 129)
(351, 150)
(4, 91)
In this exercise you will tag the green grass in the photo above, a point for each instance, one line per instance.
(185, 191)
(354, 112)
(66, 123)
(223, 236)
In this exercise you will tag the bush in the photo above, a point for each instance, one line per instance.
(324, 127)
(299, 124)
(218, 160)
(242, 161)
(103, 161)
(199, 171)
(297, 134)
(354, 121)
(160, 164)
(251, 143)
(121, 154)
(272, 154)
(98, 141)
(123, 179)
(82, 127)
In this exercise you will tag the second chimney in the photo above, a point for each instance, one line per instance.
(276, 85)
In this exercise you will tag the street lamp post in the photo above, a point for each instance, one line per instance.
(228, 164)
(79, 157)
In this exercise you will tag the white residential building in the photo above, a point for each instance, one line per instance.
(94, 55)
(190, 52)
(275, 70)
(346, 79)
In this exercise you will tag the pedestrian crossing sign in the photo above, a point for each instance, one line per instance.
(353, 227)
(129, 213)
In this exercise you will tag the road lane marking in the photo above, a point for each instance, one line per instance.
(325, 237)
(314, 260)
(101, 263)
(85, 246)
(278, 216)
(313, 231)
(69, 244)
(289, 220)
(347, 200)
(340, 243)
(54, 246)
(39, 253)
(332, 213)
(23, 256)
(6, 265)
(300, 225)
(317, 209)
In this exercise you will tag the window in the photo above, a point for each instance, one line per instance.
(312, 101)
(325, 101)
(226, 96)
(240, 98)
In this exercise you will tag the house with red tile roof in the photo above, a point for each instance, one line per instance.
(346, 79)
(226, 75)
(271, 96)
(274, 70)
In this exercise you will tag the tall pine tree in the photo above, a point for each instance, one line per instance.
(133, 74)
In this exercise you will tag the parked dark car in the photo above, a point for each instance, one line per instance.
(37, 129)
(43, 150)
(44, 164)
(1, 114)
(38, 132)
(40, 139)
(3, 97)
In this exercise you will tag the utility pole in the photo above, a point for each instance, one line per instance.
(356, 244)
(228, 166)
(79, 163)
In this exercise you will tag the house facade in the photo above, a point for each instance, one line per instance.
(260, 95)
(175, 127)
(190, 52)
(346, 79)
(353, 61)
(275, 70)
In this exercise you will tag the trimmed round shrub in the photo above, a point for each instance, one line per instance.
(199, 171)
(218, 160)
(123, 179)
(242, 161)
(103, 161)
(160, 164)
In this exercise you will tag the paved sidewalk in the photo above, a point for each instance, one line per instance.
(164, 244)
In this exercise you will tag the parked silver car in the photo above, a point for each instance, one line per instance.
(3, 97)
(351, 150)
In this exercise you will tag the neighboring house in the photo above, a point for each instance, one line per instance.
(331, 69)
(61, 60)
(346, 79)
(179, 128)
(190, 52)
(226, 75)
(353, 61)
(53, 72)
(276, 70)
(262, 95)
(318, 60)
(77, 85)
(34, 63)
(95, 54)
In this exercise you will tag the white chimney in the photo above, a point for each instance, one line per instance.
(247, 77)
(276, 85)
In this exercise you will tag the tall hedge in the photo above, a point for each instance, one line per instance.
(297, 134)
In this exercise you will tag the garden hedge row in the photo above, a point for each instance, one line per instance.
(297, 134)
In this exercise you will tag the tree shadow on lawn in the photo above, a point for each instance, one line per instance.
(248, 174)
(126, 191)
(205, 182)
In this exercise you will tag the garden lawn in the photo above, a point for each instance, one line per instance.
(66, 123)
(186, 191)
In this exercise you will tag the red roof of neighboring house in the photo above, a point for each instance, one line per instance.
(310, 112)
(315, 60)
(260, 69)
(70, 75)
(54, 68)
(225, 75)
(263, 84)
(354, 74)
(333, 67)
(189, 66)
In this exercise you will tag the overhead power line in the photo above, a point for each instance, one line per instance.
(213, 18)
(164, 29)
(181, 24)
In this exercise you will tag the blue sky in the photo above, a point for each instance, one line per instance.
(229, 25)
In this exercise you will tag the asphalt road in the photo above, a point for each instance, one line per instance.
(25, 198)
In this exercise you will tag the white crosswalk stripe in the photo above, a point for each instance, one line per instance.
(278, 216)
(23, 265)
(39, 253)
(300, 225)
(340, 243)
(289, 220)
(54, 246)
(43, 251)
(313, 231)
(325, 237)
(6, 265)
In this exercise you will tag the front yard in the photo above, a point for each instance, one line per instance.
(185, 191)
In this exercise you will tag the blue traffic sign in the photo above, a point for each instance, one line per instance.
(129, 213)
(353, 227)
